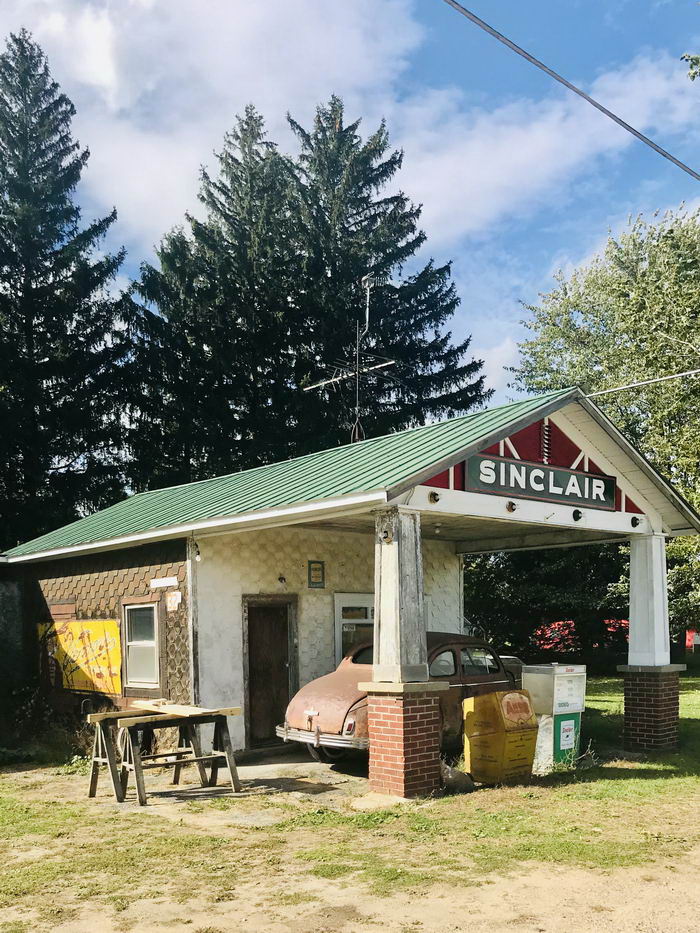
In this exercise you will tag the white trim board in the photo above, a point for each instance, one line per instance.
(527, 512)
(266, 518)
(585, 421)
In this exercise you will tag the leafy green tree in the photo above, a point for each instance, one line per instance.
(632, 314)
(693, 65)
(509, 596)
(58, 343)
(262, 297)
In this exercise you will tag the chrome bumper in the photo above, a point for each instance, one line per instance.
(316, 738)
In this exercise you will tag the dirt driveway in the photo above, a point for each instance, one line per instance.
(304, 849)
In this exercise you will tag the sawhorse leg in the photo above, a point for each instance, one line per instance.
(135, 753)
(188, 738)
(103, 753)
(222, 744)
(125, 754)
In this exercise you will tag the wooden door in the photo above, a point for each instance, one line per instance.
(268, 670)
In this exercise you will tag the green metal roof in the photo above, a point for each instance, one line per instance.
(379, 464)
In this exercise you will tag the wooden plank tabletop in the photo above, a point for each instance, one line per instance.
(146, 710)
(169, 714)
(184, 709)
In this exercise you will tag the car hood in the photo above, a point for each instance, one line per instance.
(330, 697)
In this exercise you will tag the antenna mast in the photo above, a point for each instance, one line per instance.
(346, 370)
(358, 433)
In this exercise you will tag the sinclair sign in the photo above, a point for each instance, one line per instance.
(503, 477)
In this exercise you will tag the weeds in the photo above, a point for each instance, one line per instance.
(76, 765)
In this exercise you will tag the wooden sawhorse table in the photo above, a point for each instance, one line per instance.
(122, 754)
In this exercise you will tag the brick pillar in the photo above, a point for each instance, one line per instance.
(404, 737)
(651, 706)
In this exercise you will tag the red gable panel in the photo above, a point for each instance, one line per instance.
(442, 480)
(562, 451)
(528, 442)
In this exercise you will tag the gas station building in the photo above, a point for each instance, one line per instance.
(246, 586)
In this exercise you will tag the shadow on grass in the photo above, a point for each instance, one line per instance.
(602, 733)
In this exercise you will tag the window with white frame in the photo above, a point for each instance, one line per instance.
(141, 658)
(354, 621)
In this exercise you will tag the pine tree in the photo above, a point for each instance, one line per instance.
(350, 226)
(58, 344)
(212, 396)
(251, 305)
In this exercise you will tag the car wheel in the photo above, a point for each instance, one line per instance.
(325, 754)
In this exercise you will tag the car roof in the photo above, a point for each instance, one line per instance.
(434, 640)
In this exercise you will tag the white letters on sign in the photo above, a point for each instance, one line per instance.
(487, 471)
(548, 483)
(537, 480)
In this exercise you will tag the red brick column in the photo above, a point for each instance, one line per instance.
(651, 706)
(404, 738)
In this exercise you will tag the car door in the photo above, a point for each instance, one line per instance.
(482, 671)
(444, 665)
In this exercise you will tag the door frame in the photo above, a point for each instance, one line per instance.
(291, 601)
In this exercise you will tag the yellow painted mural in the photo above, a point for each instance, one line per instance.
(82, 654)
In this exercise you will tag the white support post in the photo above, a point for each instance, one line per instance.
(649, 643)
(400, 651)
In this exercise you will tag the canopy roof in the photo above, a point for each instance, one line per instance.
(372, 471)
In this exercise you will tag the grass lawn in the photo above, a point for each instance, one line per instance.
(63, 855)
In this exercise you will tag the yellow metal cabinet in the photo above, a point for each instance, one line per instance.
(500, 735)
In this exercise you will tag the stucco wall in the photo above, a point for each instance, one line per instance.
(232, 566)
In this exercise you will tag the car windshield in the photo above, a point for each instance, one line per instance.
(364, 655)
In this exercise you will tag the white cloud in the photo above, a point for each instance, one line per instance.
(157, 83)
(475, 168)
(497, 358)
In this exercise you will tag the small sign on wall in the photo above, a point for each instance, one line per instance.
(317, 574)
(173, 600)
(161, 582)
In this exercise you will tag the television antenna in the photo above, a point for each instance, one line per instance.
(364, 362)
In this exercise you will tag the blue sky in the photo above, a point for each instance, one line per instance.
(517, 176)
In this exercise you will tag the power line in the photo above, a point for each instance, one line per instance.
(572, 87)
(646, 382)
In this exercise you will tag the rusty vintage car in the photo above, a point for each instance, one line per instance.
(329, 714)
